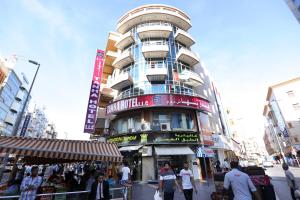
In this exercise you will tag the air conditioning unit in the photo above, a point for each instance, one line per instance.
(131, 130)
(165, 127)
(145, 127)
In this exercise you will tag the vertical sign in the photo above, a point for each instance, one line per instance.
(205, 129)
(91, 114)
(25, 124)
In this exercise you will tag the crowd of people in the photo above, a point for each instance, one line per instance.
(28, 181)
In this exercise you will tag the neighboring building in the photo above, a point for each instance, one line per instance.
(157, 102)
(294, 5)
(50, 132)
(253, 150)
(282, 114)
(37, 124)
(270, 140)
(13, 93)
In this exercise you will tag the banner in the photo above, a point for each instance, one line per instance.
(158, 100)
(91, 114)
(206, 132)
(25, 124)
(156, 138)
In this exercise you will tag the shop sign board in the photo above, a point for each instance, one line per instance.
(25, 124)
(91, 114)
(220, 142)
(204, 124)
(146, 151)
(158, 100)
(156, 138)
(205, 152)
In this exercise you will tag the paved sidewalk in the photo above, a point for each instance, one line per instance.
(147, 191)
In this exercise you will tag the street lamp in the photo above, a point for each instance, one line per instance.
(19, 119)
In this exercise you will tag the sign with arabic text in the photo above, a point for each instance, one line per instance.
(156, 138)
(158, 100)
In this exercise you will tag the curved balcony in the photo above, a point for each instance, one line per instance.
(125, 40)
(120, 81)
(15, 107)
(153, 13)
(171, 87)
(19, 96)
(155, 49)
(187, 56)
(123, 59)
(156, 74)
(191, 78)
(184, 38)
(10, 118)
(154, 30)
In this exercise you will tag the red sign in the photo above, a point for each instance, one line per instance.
(158, 100)
(205, 129)
(91, 114)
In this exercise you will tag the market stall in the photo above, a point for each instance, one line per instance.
(40, 151)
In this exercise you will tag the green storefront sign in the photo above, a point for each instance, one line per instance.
(156, 138)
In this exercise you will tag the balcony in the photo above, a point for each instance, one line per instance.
(125, 40)
(153, 13)
(156, 74)
(10, 119)
(187, 56)
(123, 59)
(120, 81)
(154, 30)
(19, 96)
(184, 38)
(15, 107)
(155, 50)
(191, 78)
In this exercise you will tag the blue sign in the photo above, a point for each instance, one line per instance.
(25, 124)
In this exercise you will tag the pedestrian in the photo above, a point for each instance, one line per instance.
(100, 189)
(187, 182)
(240, 184)
(218, 166)
(226, 165)
(30, 185)
(126, 179)
(167, 183)
(290, 178)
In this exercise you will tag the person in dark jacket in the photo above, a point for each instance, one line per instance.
(100, 189)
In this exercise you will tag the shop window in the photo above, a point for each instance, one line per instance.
(173, 121)
(127, 124)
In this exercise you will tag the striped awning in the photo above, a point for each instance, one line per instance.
(64, 150)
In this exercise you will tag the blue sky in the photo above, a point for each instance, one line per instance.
(246, 45)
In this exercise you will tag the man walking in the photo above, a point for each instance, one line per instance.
(290, 178)
(240, 183)
(100, 189)
(187, 182)
(167, 182)
(30, 185)
(125, 180)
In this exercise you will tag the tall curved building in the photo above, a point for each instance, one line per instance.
(152, 101)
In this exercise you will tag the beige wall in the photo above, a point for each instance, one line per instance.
(148, 168)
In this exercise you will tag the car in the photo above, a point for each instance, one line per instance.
(268, 164)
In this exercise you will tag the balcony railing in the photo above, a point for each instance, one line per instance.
(154, 30)
(155, 49)
(187, 56)
(171, 87)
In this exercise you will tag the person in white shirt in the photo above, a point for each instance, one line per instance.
(240, 183)
(30, 185)
(126, 179)
(187, 182)
(125, 173)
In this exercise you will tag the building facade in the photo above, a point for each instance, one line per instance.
(294, 6)
(13, 93)
(36, 125)
(282, 113)
(156, 101)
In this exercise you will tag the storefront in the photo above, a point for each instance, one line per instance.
(147, 152)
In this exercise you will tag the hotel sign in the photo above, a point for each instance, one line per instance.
(158, 100)
(91, 114)
(156, 138)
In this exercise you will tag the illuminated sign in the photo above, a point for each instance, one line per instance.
(158, 100)
(156, 138)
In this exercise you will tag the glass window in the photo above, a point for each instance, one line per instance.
(189, 122)
(204, 121)
(122, 125)
(177, 120)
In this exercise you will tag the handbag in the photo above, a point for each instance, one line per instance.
(157, 196)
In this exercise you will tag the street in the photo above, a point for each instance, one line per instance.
(278, 180)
